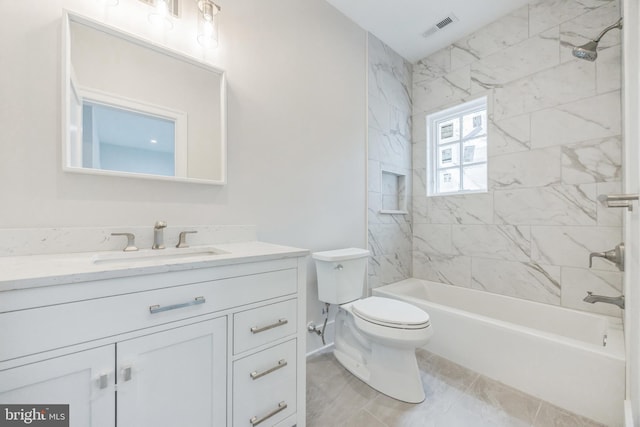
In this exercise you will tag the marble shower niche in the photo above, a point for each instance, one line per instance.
(394, 193)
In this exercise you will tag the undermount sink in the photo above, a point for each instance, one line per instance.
(157, 255)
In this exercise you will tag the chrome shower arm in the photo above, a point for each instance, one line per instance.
(609, 28)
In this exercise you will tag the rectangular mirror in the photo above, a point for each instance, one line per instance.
(133, 108)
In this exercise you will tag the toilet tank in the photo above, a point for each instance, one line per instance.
(341, 274)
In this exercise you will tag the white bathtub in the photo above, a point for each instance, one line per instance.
(550, 352)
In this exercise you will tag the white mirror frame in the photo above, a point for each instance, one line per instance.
(67, 92)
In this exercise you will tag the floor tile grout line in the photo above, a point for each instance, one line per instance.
(535, 417)
(376, 418)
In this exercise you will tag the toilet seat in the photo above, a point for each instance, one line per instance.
(390, 313)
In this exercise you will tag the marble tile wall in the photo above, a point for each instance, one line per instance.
(554, 145)
(389, 130)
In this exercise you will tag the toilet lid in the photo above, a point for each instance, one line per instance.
(390, 312)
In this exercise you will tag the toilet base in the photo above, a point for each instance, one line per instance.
(401, 385)
(390, 370)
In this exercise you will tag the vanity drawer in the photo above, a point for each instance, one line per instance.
(30, 331)
(292, 421)
(264, 386)
(262, 325)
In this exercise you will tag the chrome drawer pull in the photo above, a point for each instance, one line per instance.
(281, 407)
(280, 322)
(157, 309)
(103, 381)
(255, 375)
(127, 373)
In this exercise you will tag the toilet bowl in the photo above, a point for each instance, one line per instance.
(383, 356)
(391, 321)
(375, 337)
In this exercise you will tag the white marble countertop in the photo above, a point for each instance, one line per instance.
(30, 271)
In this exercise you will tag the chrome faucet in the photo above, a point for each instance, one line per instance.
(615, 255)
(131, 241)
(182, 239)
(619, 301)
(158, 235)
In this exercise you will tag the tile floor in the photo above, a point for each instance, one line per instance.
(456, 397)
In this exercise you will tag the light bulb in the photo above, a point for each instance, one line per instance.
(207, 24)
(160, 16)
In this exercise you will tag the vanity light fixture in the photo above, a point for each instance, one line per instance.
(160, 15)
(208, 23)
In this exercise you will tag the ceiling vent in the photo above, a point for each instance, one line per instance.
(449, 19)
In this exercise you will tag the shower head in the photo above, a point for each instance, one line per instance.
(589, 50)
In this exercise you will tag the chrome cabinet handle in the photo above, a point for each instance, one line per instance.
(255, 375)
(103, 381)
(281, 407)
(280, 322)
(153, 309)
(126, 373)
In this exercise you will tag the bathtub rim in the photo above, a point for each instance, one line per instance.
(614, 349)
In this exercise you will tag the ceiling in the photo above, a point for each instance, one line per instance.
(401, 23)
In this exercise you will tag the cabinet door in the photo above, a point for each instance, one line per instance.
(174, 378)
(83, 380)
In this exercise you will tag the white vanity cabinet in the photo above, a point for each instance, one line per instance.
(175, 377)
(210, 346)
(72, 379)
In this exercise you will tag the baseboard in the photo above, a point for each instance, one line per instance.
(628, 414)
(314, 341)
(323, 349)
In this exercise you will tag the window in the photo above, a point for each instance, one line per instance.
(457, 149)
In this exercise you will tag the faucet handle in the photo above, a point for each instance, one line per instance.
(182, 239)
(595, 254)
(160, 224)
(131, 241)
(615, 255)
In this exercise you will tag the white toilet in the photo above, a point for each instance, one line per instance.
(375, 338)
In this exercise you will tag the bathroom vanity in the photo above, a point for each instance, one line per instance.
(210, 337)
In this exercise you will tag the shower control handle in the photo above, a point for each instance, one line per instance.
(618, 200)
(615, 255)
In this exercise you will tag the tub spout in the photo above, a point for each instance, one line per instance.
(619, 301)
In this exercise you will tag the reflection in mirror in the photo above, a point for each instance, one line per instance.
(136, 109)
(127, 141)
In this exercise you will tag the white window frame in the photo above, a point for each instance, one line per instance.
(458, 111)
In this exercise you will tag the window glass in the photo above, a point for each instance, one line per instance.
(448, 131)
(449, 180)
(475, 177)
(474, 150)
(448, 155)
(457, 149)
